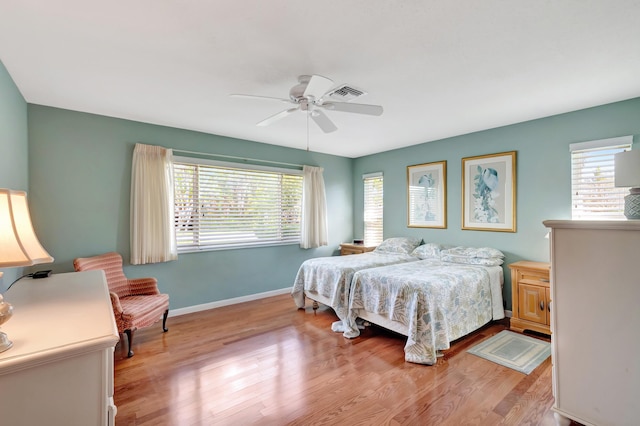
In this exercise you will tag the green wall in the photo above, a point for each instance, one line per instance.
(542, 174)
(14, 170)
(80, 178)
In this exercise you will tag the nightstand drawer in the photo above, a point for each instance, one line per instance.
(533, 277)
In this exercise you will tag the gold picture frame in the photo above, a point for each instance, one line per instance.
(489, 192)
(427, 195)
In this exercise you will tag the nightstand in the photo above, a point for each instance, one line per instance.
(530, 296)
(349, 248)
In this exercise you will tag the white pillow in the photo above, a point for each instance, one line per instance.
(494, 261)
(401, 245)
(428, 251)
(482, 252)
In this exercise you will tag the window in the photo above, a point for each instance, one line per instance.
(593, 194)
(373, 203)
(228, 205)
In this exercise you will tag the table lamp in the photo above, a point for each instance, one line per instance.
(19, 245)
(627, 174)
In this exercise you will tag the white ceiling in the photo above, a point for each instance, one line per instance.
(439, 68)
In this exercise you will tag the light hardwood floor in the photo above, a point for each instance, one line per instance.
(265, 362)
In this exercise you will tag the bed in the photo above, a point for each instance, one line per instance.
(327, 280)
(432, 301)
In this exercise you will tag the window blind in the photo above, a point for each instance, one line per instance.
(593, 194)
(227, 206)
(373, 208)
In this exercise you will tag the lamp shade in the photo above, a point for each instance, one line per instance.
(627, 166)
(19, 245)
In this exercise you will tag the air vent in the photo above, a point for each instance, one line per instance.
(345, 93)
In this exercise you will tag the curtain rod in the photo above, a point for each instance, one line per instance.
(237, 158)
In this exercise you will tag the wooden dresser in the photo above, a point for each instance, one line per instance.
(60, 368)
(595, 321)
(348, 248)
(530, 301)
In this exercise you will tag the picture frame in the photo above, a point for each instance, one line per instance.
(489, 192)
(427, 195)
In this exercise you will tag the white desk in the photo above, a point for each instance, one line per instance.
(60, 368)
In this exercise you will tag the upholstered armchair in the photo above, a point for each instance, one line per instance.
(136, 302)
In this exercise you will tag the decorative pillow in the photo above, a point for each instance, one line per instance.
(482, 252)
(429, 251)
(401, 245)
(494, 261)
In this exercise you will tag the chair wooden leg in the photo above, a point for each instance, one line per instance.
(164, 321)
(129, 334)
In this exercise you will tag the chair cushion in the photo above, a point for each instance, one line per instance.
(141, 311)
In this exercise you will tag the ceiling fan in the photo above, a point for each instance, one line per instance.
(315, 93)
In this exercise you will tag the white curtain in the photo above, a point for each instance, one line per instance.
(314, 209)
(153, 237)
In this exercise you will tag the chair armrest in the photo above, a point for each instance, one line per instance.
(115, 302)
(143, 286)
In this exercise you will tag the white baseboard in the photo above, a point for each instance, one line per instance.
(226, 302)
(508, 314)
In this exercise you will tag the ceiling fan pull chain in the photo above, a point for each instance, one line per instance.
(308, 130)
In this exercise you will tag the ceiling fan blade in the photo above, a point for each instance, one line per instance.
(350, 107)
(323, 121)
(276, 117)
(239, 95)
(318, 86)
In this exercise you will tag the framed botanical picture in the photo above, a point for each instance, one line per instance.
(489, 192)
(427, 195)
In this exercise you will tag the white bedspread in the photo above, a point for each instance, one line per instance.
(331, 276)
(438, 302)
